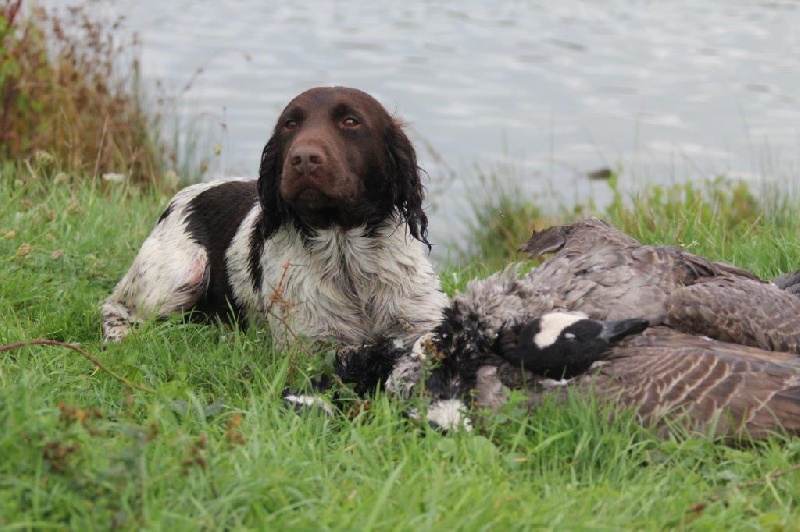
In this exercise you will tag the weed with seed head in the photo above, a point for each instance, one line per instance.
(70, 91)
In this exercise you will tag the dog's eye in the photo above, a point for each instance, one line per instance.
(290, 124)
(350, 122)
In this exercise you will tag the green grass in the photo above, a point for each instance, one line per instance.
(214, 448)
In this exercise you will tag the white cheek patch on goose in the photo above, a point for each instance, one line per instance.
(552, 324)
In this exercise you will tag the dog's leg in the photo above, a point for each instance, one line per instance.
(170, 274)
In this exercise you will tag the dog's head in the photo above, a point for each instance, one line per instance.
(337, 158)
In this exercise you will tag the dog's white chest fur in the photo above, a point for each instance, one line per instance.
(338, 284)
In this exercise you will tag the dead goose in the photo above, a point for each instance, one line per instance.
(668, 378)
(662, 373)
(606, 274)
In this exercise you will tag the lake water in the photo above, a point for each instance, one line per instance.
(541, 91)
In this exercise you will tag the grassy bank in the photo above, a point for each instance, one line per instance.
(212, 446)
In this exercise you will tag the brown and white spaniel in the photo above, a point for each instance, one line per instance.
(330, 242)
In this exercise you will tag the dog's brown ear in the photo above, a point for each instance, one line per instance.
(546, 241)
(405, 181)
(274, 210)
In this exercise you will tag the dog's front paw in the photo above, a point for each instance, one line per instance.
(114, 335)
(116, 322)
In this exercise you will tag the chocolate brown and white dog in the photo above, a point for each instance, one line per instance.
(329, 242)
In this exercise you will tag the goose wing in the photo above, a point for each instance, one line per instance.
(738, 310)
(590, 235)
(608, 275)
(706, 385)
(613, 282)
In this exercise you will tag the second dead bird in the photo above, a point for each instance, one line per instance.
(672, 370)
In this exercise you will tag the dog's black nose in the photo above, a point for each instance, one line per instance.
(306, 158)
